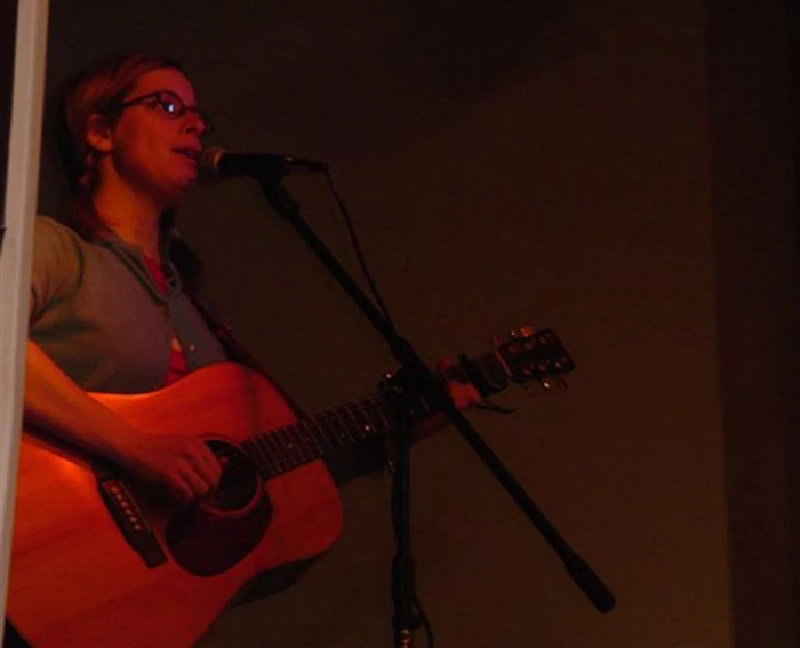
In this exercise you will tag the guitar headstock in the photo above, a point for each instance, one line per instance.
(534, 357)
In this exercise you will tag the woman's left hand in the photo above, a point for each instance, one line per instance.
(463, 395)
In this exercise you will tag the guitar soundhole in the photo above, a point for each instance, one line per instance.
(239, 482)
(207, 540)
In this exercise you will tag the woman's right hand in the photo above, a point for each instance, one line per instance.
(184, 465)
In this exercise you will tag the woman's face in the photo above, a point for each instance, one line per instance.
(153, 150)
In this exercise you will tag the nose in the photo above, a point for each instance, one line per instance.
(195, 123)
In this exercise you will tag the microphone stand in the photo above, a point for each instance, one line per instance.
(422, 380)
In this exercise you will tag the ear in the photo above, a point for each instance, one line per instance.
(98, 133)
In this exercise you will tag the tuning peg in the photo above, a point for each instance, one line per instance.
(550, 383)
(522, 332)
(387, 383)
(499, 340)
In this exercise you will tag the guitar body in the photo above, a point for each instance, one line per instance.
(99, 561)
(76, 581)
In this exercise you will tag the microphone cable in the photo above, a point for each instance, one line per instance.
(420, 615)
(357, 248)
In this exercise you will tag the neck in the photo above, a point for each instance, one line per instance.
(132, 216)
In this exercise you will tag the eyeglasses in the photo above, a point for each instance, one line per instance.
(172, 105)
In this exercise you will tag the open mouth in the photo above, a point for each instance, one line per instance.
(191, 153)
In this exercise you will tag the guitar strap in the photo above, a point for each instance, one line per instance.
(188, 268)
(234, 349)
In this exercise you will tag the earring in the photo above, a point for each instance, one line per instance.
(86, 179)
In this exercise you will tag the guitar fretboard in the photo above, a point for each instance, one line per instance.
(329, 433)
(320, 436)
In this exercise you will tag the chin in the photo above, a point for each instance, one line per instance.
(176, 193)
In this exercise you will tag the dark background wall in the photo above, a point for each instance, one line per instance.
(620, 171)
(756, 295)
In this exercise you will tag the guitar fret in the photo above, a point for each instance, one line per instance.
(256, 451)
(274, 450)
(295, 449)
(380, 404)
(320, 434)
(308, 433)
(373, 409)
(334, 427)
(378, 415)
(350, 430)
(272, 460)
(365, 426)
(287, 446)
(253, 449)
(309, 451)
(250, 448)
(361, 421)
(305, 450)
(272, 466)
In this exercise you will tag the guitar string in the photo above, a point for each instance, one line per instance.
(278, 451)
(281, 450)
(241, 460)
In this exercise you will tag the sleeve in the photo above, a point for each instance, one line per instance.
(56, 264)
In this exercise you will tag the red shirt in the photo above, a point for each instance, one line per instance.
(176, 367)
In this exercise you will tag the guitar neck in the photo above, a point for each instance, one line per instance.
(324, 435)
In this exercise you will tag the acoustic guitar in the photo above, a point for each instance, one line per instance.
(99, 560)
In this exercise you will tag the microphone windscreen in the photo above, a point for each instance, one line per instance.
(207, 164)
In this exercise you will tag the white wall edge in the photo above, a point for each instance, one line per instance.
(22, 190)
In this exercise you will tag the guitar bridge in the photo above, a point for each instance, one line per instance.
(130, 520)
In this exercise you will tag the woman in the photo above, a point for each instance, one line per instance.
(110, 311)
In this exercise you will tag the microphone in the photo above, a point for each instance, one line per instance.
(215, 163)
